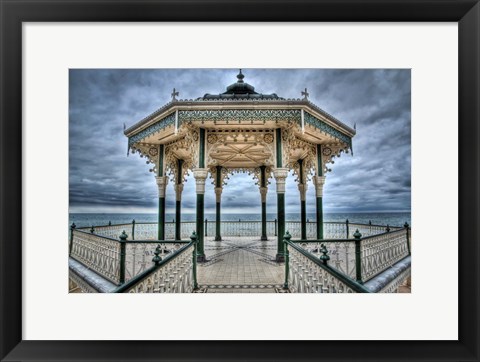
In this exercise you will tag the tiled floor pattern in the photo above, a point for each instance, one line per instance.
(240, 265)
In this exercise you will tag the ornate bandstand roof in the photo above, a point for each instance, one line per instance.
(240, 125)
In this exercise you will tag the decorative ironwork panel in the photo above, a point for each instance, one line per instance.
(112, 231)
(307, 277)
(154, 128)
(139, 256)
(175, 276)
(342, 254)
(381, 252)
(239, 115)
(98, 253)
(314, 121)
(146, 231)
(369, 230)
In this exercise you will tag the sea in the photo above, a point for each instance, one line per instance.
(377, 218)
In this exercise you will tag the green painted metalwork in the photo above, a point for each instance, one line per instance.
(178, 219)
(281, 226)
(263, 183)
(218, 218)
(319, 218)
(319, 161)
(286, 240)
(347, 227)
(72, 227)
(123, 239)
(358, 258)
(133, 229)
(355, 286)
(178, 203)
(278, 134)
(194, 239)
(161, 218)
(161, 155)
(200, 229)
(154, 128)
(319, 124)
(303, 219)
(239, 115)
(407, 228)
(324, 257)
(201, 153)
(157, 259)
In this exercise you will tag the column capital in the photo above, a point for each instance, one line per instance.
(178, 191)
(200, 175)
(263, 193)
(302, 188)
(218, 193)
(162, 182)
(319, 181)
(280, 175)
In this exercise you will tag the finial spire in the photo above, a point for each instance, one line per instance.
(240, 76)
(305, 94)
(174, 94)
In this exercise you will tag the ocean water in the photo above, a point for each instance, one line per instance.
(384, 218)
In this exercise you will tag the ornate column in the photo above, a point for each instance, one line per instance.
(280, 175)
(263, 194)
(302, 188)
(218, 197)
(178, 200)
(200, 175)
(318, 182)
(162, 181)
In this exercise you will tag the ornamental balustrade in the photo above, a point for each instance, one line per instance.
(175, 273)
(360, 258)
(306, 273)
(149, 230)
(119, 260)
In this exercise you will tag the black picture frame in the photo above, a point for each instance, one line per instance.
(13, 13)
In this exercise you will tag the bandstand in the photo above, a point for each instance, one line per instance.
(216, 135)
(240, 130)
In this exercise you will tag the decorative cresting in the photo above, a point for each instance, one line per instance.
(237, 116)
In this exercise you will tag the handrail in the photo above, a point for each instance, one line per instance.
(152, 269)
(357, 287)
(322, 240)
(386, 232)
(156, 241)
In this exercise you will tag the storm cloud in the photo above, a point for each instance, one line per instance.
(103, 179)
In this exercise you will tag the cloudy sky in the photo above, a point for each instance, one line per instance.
(104, 179)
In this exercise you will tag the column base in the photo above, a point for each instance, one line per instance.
(201, 258)
(280, 258)
(264, 238)
(218, 238)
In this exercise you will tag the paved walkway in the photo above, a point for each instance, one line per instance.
(241, 265)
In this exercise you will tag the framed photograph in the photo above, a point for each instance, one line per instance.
(191, 161)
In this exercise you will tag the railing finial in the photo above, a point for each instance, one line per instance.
(123, 236)
(73, 226)
(357, 234)
(324, 258)
(406, 226)
(92, 229)
(287, 236)
(157, 259)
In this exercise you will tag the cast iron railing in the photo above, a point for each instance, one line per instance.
(121, 260)
(149, 230)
